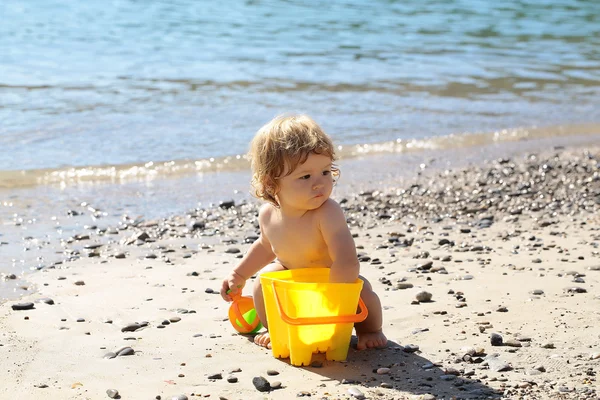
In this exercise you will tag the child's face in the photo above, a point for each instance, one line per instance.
(308, 186)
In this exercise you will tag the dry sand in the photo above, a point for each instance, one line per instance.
(495, 254)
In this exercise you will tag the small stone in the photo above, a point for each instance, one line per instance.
(512, 343)
(427, 396)
(272, 372)
(261, 384)
(548, 345)
(125, 351)
(232, 379)
(383, 371)
(23, 306)
(423, 297)
(410, 348)
(215, 376)
(112, 393)
(275, 385)
(496, 339)
(594, 356)
(79, 283)
(403, 285)
(355, 392)
(497, 365)
(537, 292)
(575, 290)
(131, 327)
(179, 397)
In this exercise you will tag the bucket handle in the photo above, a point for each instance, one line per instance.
(338, 319)
(235, 306)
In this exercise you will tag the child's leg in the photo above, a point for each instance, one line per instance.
(263, 339)
(369, 331)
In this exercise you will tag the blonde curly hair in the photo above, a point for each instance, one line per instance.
(280, 146)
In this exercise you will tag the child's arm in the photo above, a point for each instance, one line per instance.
(259, 255)
(337, 236)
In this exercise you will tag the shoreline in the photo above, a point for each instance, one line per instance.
(41, 221)
(506, 248)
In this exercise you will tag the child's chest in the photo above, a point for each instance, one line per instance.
(300, 242)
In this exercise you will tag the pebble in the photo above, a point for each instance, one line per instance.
(112, 393)
(423, 297)
(261, 384)
(355, 392)
(496, 339)
(275, 385)
(232, 379)
(125, 351)
(383, 371)
(23, 306)
(404, 285)
(215, 376)
(410, 348)
(131, 327)
(427, 396)
(272, 372)
(497, 365)
(180, 397)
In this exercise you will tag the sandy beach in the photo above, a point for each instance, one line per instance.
(507, 254)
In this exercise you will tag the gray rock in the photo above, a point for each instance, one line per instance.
(112, 393)
(497, 365)
(131, 327)
(496, 339)
(125, 351)
(404, 285)
(410, 348)
(23, 306)
(423, 297)
(261, 384)
(180, 397)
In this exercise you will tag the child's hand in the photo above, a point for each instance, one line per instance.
(234, 282)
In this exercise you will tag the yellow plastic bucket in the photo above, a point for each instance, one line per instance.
(306, 314)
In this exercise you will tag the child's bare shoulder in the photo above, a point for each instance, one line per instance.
(265, 212)
(330, 210)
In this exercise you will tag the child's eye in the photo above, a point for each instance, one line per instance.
(327, 172)
(305, 177)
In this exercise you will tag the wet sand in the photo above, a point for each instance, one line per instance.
(507, 254)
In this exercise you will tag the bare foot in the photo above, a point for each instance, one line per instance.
(263, 339)
(368, 340)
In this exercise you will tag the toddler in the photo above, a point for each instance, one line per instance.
(300, 225)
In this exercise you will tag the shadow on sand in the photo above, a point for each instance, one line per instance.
(409, 374)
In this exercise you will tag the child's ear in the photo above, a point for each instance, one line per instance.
(270, 186)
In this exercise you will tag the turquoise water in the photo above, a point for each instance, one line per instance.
(85, 83)
(121, 106)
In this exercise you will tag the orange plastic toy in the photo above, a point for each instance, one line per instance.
(242, 314)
